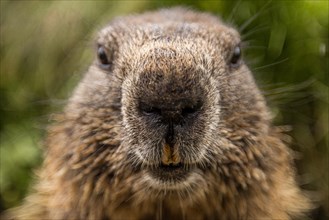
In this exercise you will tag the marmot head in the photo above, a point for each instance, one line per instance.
(174, 94)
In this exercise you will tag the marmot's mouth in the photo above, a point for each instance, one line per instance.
(172, 173)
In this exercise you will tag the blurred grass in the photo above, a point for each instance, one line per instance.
(47, 45)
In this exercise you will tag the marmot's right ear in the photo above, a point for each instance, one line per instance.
(104, 59)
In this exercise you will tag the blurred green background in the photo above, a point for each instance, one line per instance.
(47, 45)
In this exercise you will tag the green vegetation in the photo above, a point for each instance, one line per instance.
(47, 45)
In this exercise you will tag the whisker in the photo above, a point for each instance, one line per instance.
(229, 19)
(257, 29)
(272, 64)
(254, 17)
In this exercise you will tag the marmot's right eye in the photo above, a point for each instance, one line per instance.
(101, 53)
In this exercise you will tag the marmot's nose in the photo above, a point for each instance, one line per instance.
(174, 112)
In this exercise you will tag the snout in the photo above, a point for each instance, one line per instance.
(169, 110)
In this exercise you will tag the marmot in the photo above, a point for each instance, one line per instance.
(167, 123)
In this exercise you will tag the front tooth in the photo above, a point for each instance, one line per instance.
(167, 155)
(170, 155)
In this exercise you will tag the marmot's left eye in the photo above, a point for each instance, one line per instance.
(101, 53)
(236, 56)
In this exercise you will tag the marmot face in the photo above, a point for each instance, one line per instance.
(182, 88)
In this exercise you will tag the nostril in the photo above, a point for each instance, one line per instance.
(149, 110)
(190, 110)
(170, 113)
(152, 110)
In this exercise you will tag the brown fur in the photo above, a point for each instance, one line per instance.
(101, 150)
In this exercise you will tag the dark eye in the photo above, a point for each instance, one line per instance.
(101, 53)
(236, 56)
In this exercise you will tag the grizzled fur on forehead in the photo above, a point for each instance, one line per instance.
(125, 40)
